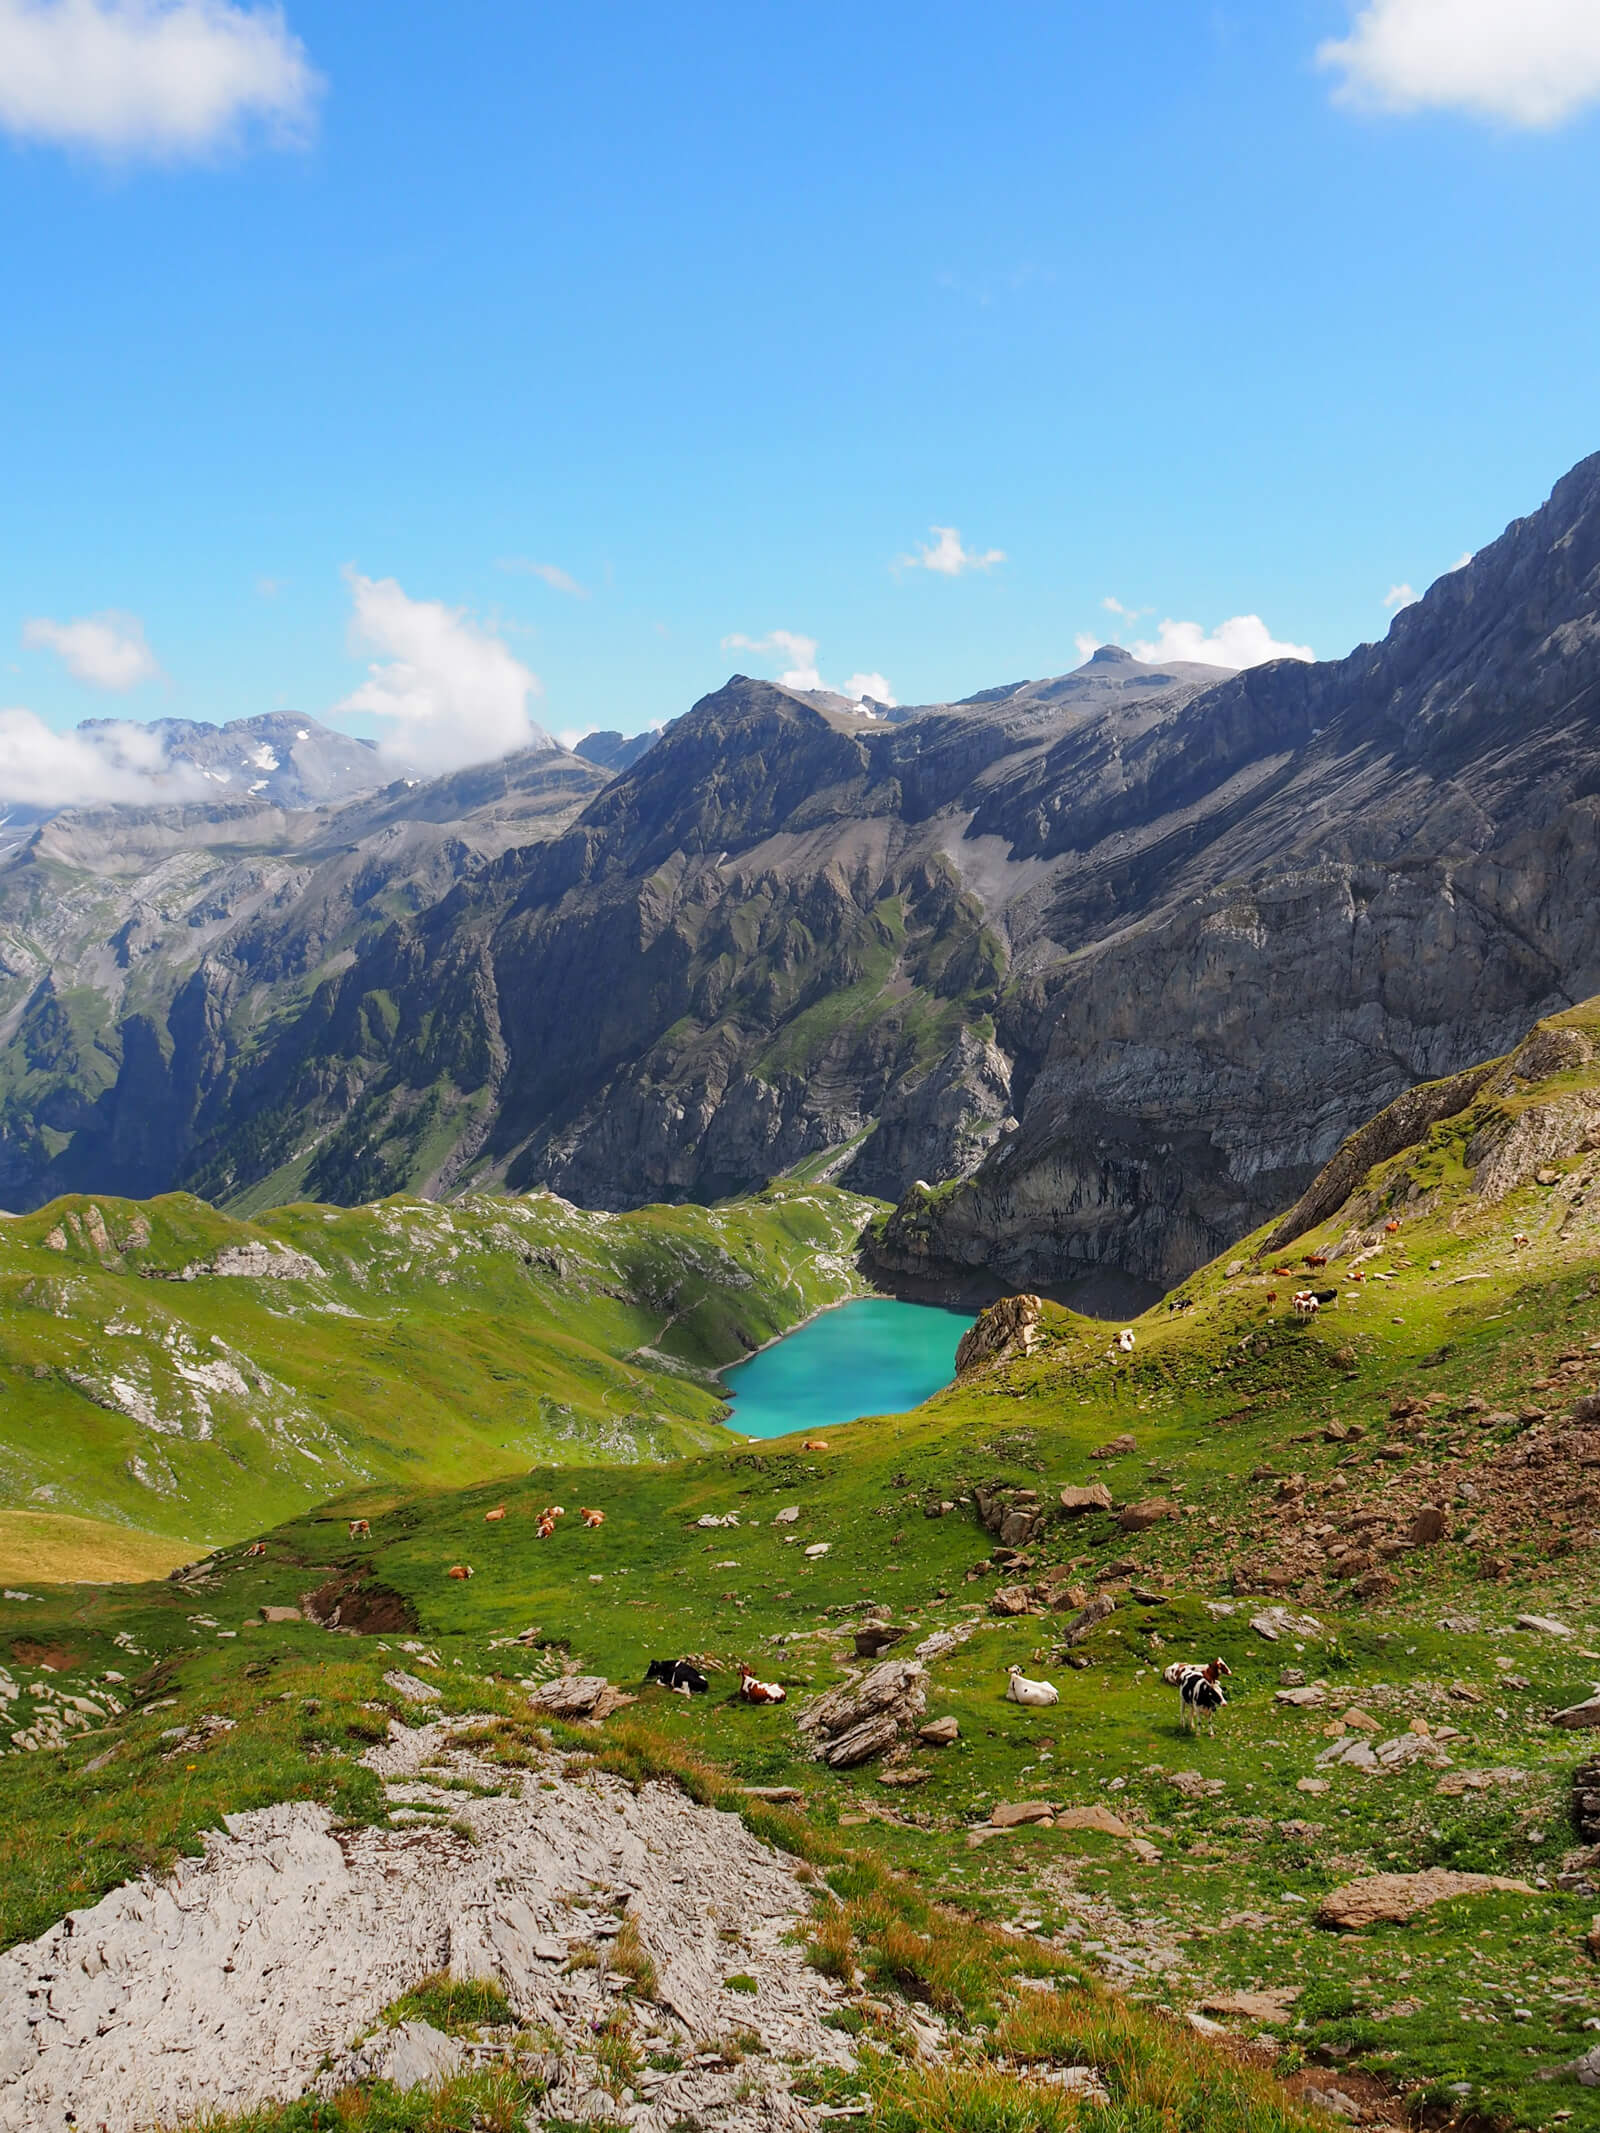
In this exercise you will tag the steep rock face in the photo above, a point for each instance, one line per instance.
(144, 949)
(1187, 929)
(943, 1121)
(765, 943)
(1336, 881)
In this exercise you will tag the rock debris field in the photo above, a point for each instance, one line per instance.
(254, 1973)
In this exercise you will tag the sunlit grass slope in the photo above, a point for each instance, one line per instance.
(59, 1549)
(1279, 1462)
(166, 1368)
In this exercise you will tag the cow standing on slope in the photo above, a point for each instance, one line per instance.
(1200, 1690)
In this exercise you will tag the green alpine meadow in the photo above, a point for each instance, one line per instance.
(1362, 1876)
(799, 1068)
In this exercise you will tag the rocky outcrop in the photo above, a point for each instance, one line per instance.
(284, 1942)
(1006, 1329)
(580, 1696)
(1262, 990)
(1095, 1496)
(1395, 1899)
(862, 1718)
(1400, 1125)
(1510, 1149)
(258, 1262)
(1013, 1515)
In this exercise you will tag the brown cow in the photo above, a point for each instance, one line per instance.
(753, 1691)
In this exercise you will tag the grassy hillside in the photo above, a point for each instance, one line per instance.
(168, 1369)
(1408, 1476)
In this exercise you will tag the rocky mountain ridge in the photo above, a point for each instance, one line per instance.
(1115, 960)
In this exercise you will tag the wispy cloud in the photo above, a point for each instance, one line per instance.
(107, 650)
(800, 669)
(800, 652)
(947, 558)
(448, 691)
(552, 574)
(164, 79)
(1114, 606)
(1399, 596)
(1532, 63)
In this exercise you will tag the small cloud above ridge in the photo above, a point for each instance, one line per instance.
(802, 671)
(947, 558)
(1241, 641)
(449, 693)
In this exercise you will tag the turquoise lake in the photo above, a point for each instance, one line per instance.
(875, 1356)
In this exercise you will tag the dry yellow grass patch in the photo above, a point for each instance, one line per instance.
(54, 1548)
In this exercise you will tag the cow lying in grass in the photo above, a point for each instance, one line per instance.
(753, 1691)
(679, 1674)
(1019, 1689)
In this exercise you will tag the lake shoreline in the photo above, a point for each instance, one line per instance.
(894, 1373)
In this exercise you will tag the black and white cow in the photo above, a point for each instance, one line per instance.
(1199, 1688)
(677, 1674)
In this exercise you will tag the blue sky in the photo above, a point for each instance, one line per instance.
(717, 313)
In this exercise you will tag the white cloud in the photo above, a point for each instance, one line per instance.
(1399, 596)
(1528, 62)
(1242, 641)
(1461, 562)
(556, 578)
(114, 761)
(159, 78)
(108, 650)
(801, 671)
(1114, 606)
(449, 691)
(946, 556)
(801, 652)
(874, 685)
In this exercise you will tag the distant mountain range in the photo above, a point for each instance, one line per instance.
(1113, 959)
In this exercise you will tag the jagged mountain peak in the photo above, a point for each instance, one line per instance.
(1127, 949)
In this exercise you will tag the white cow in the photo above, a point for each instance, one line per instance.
(1019, 1689)
(1124, 1341)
